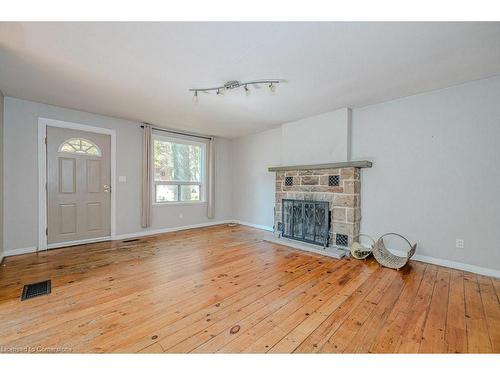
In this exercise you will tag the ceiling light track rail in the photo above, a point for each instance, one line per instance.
(231, 85)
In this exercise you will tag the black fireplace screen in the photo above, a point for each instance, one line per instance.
(306, 221)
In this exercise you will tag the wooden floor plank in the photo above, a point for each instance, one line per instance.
(392, 330)
(433, 336)
(410, 341)
(214, 337)
(165, 311)
(152, 349)
(282, 299)
(478, 339)
(224, 289)
(295, 318)
(188, 325)
(329, 320)
(496, 285)
(173, 294)
(365, 337)
(456, 338)
(107, 296)
(298, 334)
(491, 310)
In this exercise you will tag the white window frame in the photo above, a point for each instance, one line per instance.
(202, 183)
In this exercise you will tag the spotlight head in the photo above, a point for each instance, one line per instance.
(272, 87)
(247, 91)
(195, 97)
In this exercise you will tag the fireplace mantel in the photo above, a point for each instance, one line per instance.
(344, 164)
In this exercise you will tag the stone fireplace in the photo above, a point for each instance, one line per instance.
(338, 184)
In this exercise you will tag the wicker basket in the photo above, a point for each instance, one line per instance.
(386, 258)
(359, 251)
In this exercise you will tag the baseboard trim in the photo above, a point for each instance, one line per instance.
(450, 264)
(20, 251)
(258, 226)
(457, 265)
(152, 232)
(76, 243)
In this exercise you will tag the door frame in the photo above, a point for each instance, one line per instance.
(42, 179)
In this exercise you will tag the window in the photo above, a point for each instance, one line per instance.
(79, 146)
(178, 170)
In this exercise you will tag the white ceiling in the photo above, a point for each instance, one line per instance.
(142, 71)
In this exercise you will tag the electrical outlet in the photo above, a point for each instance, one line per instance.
(459, 243)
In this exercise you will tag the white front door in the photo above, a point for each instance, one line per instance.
(78, 185)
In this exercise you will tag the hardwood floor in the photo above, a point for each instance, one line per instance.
(223, 289)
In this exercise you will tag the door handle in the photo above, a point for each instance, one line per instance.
(107, 188)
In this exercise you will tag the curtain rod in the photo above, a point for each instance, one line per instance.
(177, 132)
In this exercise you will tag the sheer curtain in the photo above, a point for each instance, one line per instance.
(211, 178)
(146, 175)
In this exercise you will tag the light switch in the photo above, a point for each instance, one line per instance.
(122, 178)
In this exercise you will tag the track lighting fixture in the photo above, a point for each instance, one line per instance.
(231, 85)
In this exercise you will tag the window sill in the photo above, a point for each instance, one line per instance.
(166, 204)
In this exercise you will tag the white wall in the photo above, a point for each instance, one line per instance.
(319, 139)
(435, 174)
(253, 185)
(21, 175)
(325, 135)
(1, 175)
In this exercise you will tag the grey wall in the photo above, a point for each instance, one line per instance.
(435, 176)
(1, 175)
(21, 175)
